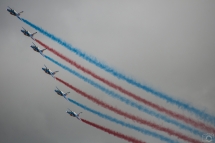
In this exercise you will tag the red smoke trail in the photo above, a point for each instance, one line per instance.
(117, 134)
(187, 120)
(120, 112)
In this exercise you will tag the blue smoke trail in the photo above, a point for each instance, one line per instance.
(126, 100)
(142, 130)
(205, 116)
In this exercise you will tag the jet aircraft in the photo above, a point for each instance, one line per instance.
(72, 113)
(37, 49)
(27, 33)
(14, 13)
(48, 71)
(59, 92)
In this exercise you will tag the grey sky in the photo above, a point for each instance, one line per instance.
(168, 45)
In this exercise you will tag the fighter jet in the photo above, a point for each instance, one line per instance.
(27, 33)
(72, 113)
(37, 49)
(14, 13)
(48, 71)
(59, 92)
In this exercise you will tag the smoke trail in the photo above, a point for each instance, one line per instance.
(142, 130)
(117, 134)
(127, 115)
(155, 106)
(127, 101)
(205, 116)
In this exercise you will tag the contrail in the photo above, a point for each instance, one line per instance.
(141, 130)
(205, 116)
(117, 134)
(175, 115)
(127, 101)
(127, 115)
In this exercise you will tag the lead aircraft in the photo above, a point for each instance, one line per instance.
(14, 13)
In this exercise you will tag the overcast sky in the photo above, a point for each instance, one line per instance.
(168, 45)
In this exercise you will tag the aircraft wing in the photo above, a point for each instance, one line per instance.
(34, 44)
(9, 7)
(58, 88)
(69, 110)
(24, 29)
(45, 66)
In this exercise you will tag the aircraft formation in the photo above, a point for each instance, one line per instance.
(46, 70)
(14, 13)
(172, 114)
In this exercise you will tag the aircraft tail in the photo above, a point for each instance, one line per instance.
(55, 72)
(43, 50)
(79, 114)
(33, 34)
(67, 93)
(20, 13)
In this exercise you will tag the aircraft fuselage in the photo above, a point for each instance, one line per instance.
(35, 48)
(11, 12)
(72, 114)
(59, 93)
(26, 33)
(46, 71)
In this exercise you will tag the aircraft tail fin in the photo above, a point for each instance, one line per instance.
(33, 34)
(55, 72)
(43, 50)
(67, 93)
(20, 13)
(79, 114)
